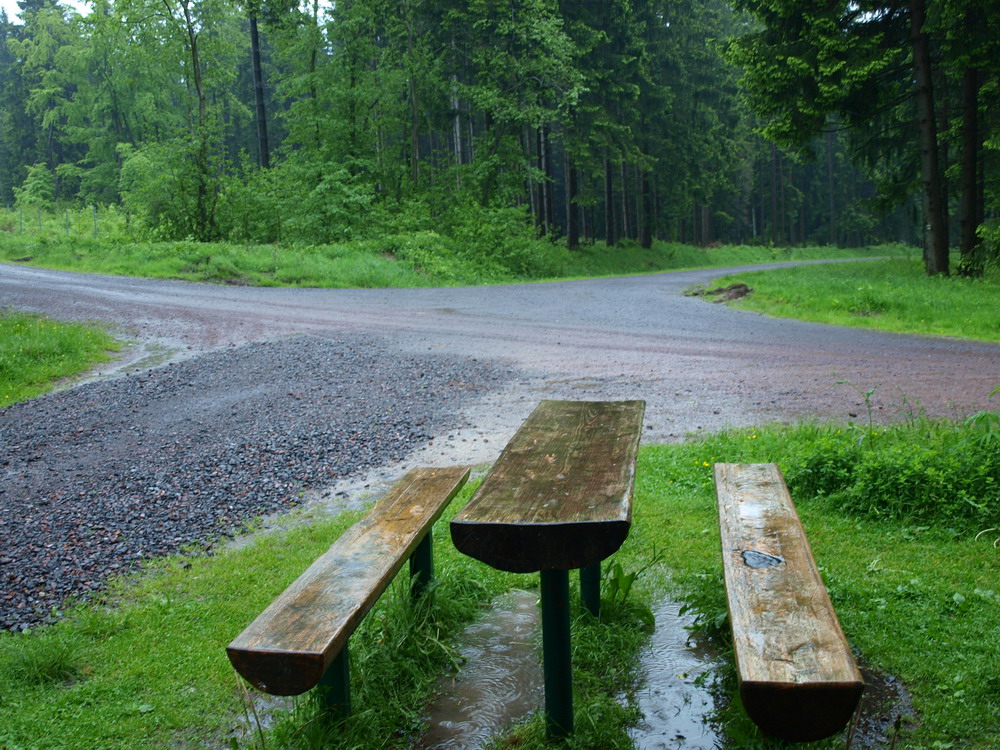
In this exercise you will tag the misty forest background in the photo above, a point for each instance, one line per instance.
(494, 122)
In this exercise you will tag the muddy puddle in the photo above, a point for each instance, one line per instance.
(675, 697)
(499, 683)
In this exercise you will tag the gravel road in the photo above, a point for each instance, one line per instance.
(100, 477)
(233, 401)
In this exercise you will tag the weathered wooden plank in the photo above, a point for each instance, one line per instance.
(798, 679)
(291, 643)
(559, 496)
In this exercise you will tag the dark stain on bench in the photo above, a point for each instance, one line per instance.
(756, 559)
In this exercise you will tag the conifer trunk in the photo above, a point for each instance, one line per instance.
(263, 147)
(935, 231)
(610, 228)
(970, 210)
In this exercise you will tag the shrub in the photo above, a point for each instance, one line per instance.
(926, 470)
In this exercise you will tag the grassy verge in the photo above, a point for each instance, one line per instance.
(147, 667)
(890, 295)
(630, 258)
(913, 580)
(412, 259)
(36, 352)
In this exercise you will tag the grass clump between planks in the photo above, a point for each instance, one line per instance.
(36, 352)
(890, 294)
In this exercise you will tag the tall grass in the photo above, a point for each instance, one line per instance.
(409, 259)
(892, 295)
(36, 351)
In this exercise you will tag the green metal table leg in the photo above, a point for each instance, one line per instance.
(590, 588)
(422, 565)
(556, 654)
(337, 684)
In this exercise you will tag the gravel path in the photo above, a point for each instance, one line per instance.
(95, 479)
(98, 478)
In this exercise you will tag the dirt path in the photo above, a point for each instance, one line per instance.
(245, 414)
(699, 366)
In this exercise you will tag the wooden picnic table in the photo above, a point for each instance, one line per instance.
(558, 498)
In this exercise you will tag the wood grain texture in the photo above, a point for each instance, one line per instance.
(286, 650)
(798, 679)
(559, 496)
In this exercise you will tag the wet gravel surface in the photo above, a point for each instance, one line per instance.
(96, 479)
(273, 391)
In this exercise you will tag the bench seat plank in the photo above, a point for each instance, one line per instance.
(559, 497)
(798, 678)
(286, 650)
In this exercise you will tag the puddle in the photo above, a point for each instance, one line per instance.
(679, 709)
(260, 711)
(500, 682)
(676, 698)
(884, 701)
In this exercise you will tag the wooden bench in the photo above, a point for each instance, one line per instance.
(797, 677)
(558, 498)
(292, 644)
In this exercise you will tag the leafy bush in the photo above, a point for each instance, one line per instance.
(38, 187)
(249, 207)
(924, 470)
(156, 187)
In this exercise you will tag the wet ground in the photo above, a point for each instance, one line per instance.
(500, 684)
(699, 367)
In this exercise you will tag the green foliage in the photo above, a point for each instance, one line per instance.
(38, 187)
(157, 188)
(891, 295)
(36, 352)
(929, 471)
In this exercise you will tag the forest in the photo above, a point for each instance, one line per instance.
(773, 122)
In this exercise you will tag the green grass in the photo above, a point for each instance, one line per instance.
(414, 259)
(629, 258)
(890, 295)
(36, 352)
(915, 589)
(916, 593)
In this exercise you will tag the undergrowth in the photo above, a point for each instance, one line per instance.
(496, 250)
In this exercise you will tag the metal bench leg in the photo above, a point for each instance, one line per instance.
(556, 654)
(422, 565)
(336, 682)
(590, 588)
